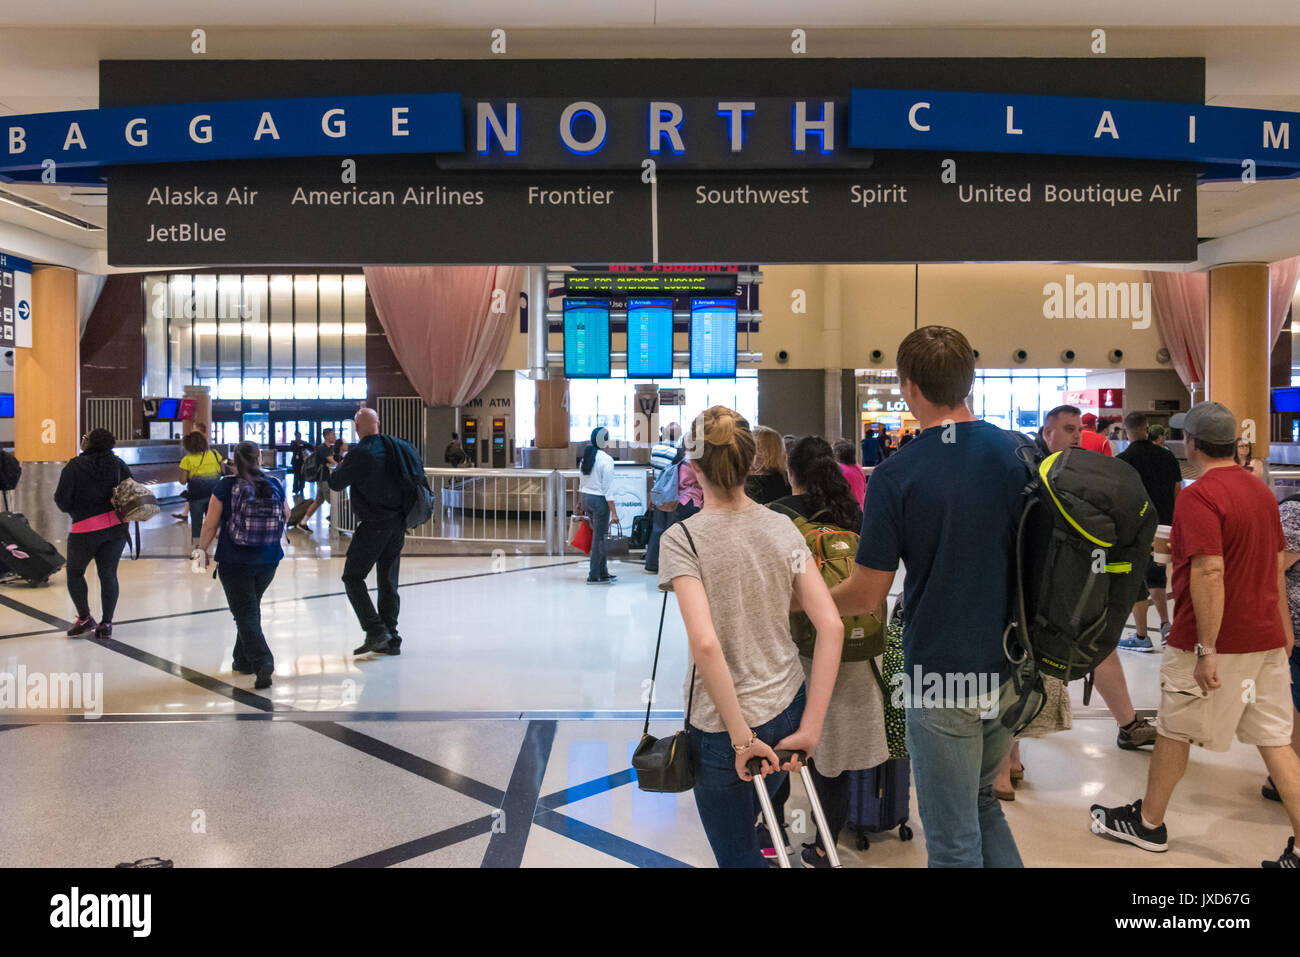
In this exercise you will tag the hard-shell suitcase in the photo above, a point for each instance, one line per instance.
(879, 800)
(769, 813)
(24, 552)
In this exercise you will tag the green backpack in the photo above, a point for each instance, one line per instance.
(834, 549)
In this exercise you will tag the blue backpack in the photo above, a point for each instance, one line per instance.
(664, 492)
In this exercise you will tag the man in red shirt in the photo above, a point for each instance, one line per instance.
(1091, 439)
(1225, 669)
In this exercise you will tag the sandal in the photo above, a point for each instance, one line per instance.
(1004, 795)
(1017, 774)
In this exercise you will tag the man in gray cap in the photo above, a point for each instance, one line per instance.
(1225, 670)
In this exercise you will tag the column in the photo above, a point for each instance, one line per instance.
(47, 377)
(832, 340)
(552, 413)
(645, 407)
(1237, 350)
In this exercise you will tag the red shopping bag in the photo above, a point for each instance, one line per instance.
(582, 538)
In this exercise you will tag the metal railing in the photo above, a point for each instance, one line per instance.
(479, 510)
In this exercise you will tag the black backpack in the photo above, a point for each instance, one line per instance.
(10, 471)
(1081, 552)
(407, 470)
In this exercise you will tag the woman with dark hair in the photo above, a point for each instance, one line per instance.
(250, 510)
(597, 491)
(200, 469)
(847, 457)
(853, 735)
(85, 492)
(1245, 457)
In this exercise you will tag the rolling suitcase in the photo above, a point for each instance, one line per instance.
(298, 512)
(879, 800)
(769, 813)
(25, 553)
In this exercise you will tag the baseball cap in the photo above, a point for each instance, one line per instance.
(1208, 421)
(1089, 420)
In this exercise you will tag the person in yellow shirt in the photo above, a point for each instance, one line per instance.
(200, 469)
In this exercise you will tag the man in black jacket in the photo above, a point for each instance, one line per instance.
(379, 501)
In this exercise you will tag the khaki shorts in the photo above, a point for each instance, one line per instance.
(1253, 700)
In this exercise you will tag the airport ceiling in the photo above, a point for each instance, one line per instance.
(49, 57)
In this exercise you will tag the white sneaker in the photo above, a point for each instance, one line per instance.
(1164, 633)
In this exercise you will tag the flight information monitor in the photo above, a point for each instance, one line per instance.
(649, 338)
(167, 409)
(713, 338)
(586, 339)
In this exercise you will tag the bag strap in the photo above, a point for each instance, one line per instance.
(880, 680)
(654, 670)
(690, 701)
(136, 556)
(5, 496)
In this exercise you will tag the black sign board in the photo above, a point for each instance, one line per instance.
(623, 284)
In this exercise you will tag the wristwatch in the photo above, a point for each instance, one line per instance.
(1202, 650)
(741, 749)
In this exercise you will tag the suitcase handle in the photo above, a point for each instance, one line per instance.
(755, 765)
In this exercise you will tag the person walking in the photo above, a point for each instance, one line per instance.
(767, 480)
(871, 454)
(597, 491)
(848, 463)
(200, 468)
(321, 461)
(1162, 478)
(736, 567)
(948, 510)
(853, 734)
(1232, 634)
(374, 469)
(249, 509)
(667, 453)
(298, 452)
(85, 492)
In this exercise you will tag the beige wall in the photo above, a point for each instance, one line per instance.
(998, 306)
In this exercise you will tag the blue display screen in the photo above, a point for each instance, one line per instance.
(713, 338)
(1286, 400)
(649, 338)
(167, 409)
(586, 339)
(6, 405)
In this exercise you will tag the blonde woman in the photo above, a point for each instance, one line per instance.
(736, 567)
(767, 479)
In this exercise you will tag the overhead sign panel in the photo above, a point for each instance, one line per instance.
(619, 284)
(1072, 126)
(15, 302)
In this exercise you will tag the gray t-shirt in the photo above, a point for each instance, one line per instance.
(747, 562)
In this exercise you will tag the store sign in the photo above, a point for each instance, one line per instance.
(672, 396)
(619, 284)
(15, 302)
(1073, 126)
(1096, 398)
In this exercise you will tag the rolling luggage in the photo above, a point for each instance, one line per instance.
(299, 512)
(24, 552)
(769, 813)
(879, 800)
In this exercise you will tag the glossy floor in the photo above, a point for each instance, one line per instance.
(500, 737)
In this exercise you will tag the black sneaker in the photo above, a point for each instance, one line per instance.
(241, 667)
(1125, 823)
(264, 676)
(1270, 791)
(1289, 859)
(765, 841)
(1136, 736)
(394, 646)
(104, 630)
(82, 626)
(375, 641)
(811, 858)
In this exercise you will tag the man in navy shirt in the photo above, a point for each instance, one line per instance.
(946, 505)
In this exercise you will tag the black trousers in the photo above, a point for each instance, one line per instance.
(244, 586)
(105, 547)
(375, 544)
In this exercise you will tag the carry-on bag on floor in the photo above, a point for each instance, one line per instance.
(24, 552)
(879, 800)
(299, 512)
(755, 766)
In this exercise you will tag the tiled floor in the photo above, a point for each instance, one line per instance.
(501, 736)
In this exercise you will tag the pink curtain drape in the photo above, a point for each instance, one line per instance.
(1282, 278)
(1181, 305)
(441, 324)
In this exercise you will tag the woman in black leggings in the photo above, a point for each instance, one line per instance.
(85, 492)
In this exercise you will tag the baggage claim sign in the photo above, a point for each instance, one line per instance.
(650, 160)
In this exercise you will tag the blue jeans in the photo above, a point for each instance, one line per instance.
(598, 509)
(955, 757)
(729, 806)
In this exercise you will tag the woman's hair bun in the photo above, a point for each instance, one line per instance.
(720, 429)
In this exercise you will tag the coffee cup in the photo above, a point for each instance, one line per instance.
(1161, 547)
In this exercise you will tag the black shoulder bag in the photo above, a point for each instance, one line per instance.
(664, 764)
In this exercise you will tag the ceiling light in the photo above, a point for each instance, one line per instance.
(32, 206)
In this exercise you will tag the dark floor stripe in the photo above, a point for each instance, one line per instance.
(390, 754)
(423, 845)
(588, 789)
(206, 682)
(604, 841)
(506, 847)
(36, 613)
